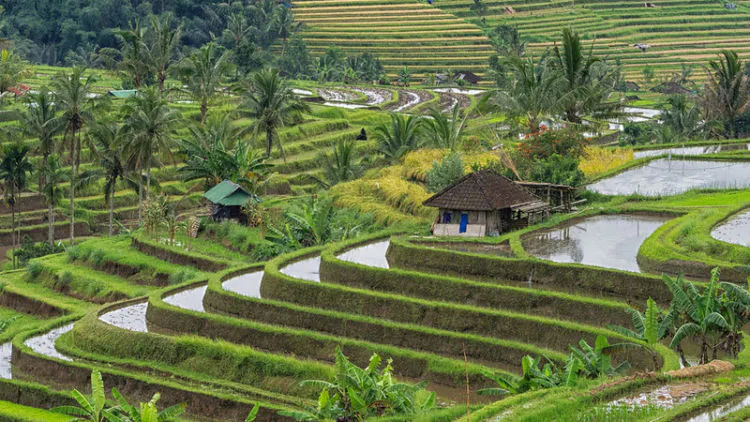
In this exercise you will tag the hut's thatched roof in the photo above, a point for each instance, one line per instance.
(483, 190)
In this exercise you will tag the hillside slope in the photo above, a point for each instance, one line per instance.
(399, 32)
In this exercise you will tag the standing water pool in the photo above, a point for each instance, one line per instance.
(670, 177)
(735, 230)
(372, 255)
(610, 241)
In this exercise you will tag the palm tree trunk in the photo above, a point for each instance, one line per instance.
(51, 222)
(111, 207)
(148, 178)
(140, 196)
(269, 142)
(204, 111)
(43, 173)
(73, 170)
(13, 234)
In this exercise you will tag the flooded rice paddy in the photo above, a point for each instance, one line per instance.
(306, 269)
(44, 344)
(610, 241)
(131, 318)
(721, 411)
(245, 284)
(670, 177)
(6, 350)
(735, 230)
(191, 299)
(372, 255)
(697, 150)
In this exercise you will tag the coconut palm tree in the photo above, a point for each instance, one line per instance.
(581, 91)
(41, 122)
(532, 94)
(203, 72)
(726, 93)
(443, 131)
(55, 174)
(404, 134)
(161, 46)
(72, 95)
(147, 130)
(14, 168)
(283, 24)
(132, 54)
(106, 143)
(272, 104)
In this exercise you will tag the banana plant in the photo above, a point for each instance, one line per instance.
(89, 408)
(648, 328)
(596, 361)
(145, 412)
(359, 393)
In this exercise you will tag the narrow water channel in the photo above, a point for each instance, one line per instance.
(44, 344)
(6, 351)
(722, 411)
(610, 241)
(699, 150)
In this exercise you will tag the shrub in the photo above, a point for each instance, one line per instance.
(30, 250)
(96, 258)
(557, 169)
(180, 276)
(34, 270)
(64, 279)
(445, 173)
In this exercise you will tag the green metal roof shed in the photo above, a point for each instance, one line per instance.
(124, 93)
(228, 194)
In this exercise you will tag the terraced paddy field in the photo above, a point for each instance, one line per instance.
(614, 27)
(400, 33)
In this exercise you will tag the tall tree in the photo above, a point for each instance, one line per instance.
(581, 92)
(41, 122)
(105, 140)
(72, 96)
(162, 43)
(272, 104)
(55, 174)
(282, 23)
(147, 131)
(133, 54)
(203, 71)
(726, 93)
(14, 168)
(532, 94)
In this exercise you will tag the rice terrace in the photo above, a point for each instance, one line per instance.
(381, 210)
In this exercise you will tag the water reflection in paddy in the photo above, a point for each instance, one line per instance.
(670, 177)
(191, 299)
(131, 318)
(6, 350)
(245, 284)
(735, 230)
(372, 255)
(45, 344)
(306, 269)
(698, 150)
(610, 241)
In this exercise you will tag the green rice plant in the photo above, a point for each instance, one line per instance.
(34, 270)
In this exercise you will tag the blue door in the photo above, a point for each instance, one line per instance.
(464, 223)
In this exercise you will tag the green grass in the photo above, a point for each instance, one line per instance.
(11, 412)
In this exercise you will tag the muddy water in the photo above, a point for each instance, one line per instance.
(610, 241)
(343, 105)
(336, 96)
(375, 96)
(699, 150)
(307, 269)
(302, 92)
(5, 358)
(459, 91)
(413, 100)
(372, 255)
(649, 113)
(670, 177)
(663, 397)
(722, 411)
(735, 230)
(45, 344)
(245, 284)
(191, 299)
(131, 318)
